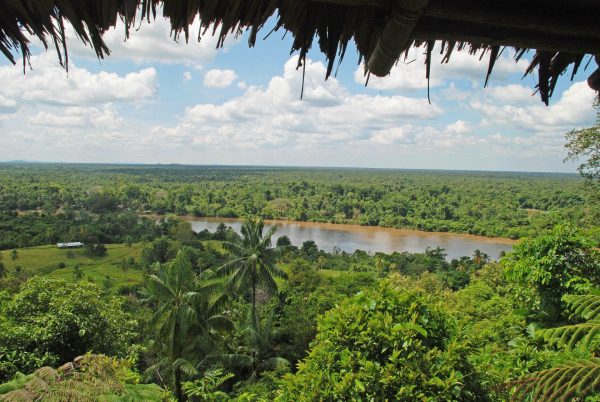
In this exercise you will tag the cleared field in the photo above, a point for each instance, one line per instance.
(47, 260)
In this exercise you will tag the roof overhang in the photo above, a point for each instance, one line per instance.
(562, 34)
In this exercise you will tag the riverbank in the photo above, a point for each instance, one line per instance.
(348, 237)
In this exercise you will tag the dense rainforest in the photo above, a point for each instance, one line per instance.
(250, 317)
(150, 310)
(45, 203)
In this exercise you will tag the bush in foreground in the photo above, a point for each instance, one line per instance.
(383, 345)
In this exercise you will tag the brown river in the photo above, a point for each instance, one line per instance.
(370, 238)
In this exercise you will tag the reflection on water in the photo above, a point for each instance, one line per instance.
(372, 239)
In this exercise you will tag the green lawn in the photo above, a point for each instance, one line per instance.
(45, 260)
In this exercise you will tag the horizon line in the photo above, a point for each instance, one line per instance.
(158, 164)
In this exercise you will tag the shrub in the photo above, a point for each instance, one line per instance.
(383, 345)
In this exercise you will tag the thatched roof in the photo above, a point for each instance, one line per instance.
(562, 33)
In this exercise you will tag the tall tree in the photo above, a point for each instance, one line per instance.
(554, 264)
(185, 319)
(253, 260)
(480, 258)
(584, 144)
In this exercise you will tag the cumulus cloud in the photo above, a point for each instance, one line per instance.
(574, 108)
(512, 93)
(88, 117)
(276, 116)
(7, 105)
(409, 72)
(459, 127)
(48, 83)
(154, 42)
(219, 78)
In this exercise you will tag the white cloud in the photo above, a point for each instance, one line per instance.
(7, 105)
(88, 116)
(82, 117)
(574, 108)
(48, 83)
(154, 43)
(275, 116)
(409, 73)
(219, 78)
(459, 127)
(513, 93)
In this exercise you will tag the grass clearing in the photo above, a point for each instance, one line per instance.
(47, 260)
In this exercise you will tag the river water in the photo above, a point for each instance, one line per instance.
(370, 238)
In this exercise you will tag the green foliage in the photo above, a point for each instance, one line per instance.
(383, 345)
(491, 204)
(186, 319)
(46, 260)
(207, 388)
(256, 355)
(253, 261)
(50, 320)
(565, 382)
(95, 250)
(573, 378)
(585, 335)
(585, 144)
(89, 378)
(160, 250)
(585, 306)
(553, 265)
(570, 336)
(307, 295)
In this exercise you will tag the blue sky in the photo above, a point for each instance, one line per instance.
(157, 101)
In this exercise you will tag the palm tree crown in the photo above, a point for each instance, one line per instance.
(253, 260)
(186, 319)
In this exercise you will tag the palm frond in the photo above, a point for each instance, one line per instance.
(267, 280)
(585, 306)
(159, 288)
(234, 248)
(185, 366)
(236, 360)
(570, 336)
(220, 323)
(274, 363)
(218, 305)
(227, 268)
(577, 378)
(583, 334)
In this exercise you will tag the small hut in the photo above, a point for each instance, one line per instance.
(562, 34)
(76, 244)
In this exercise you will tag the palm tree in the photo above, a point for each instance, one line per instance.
(257, 355)
(253, 260)
(185, 318)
